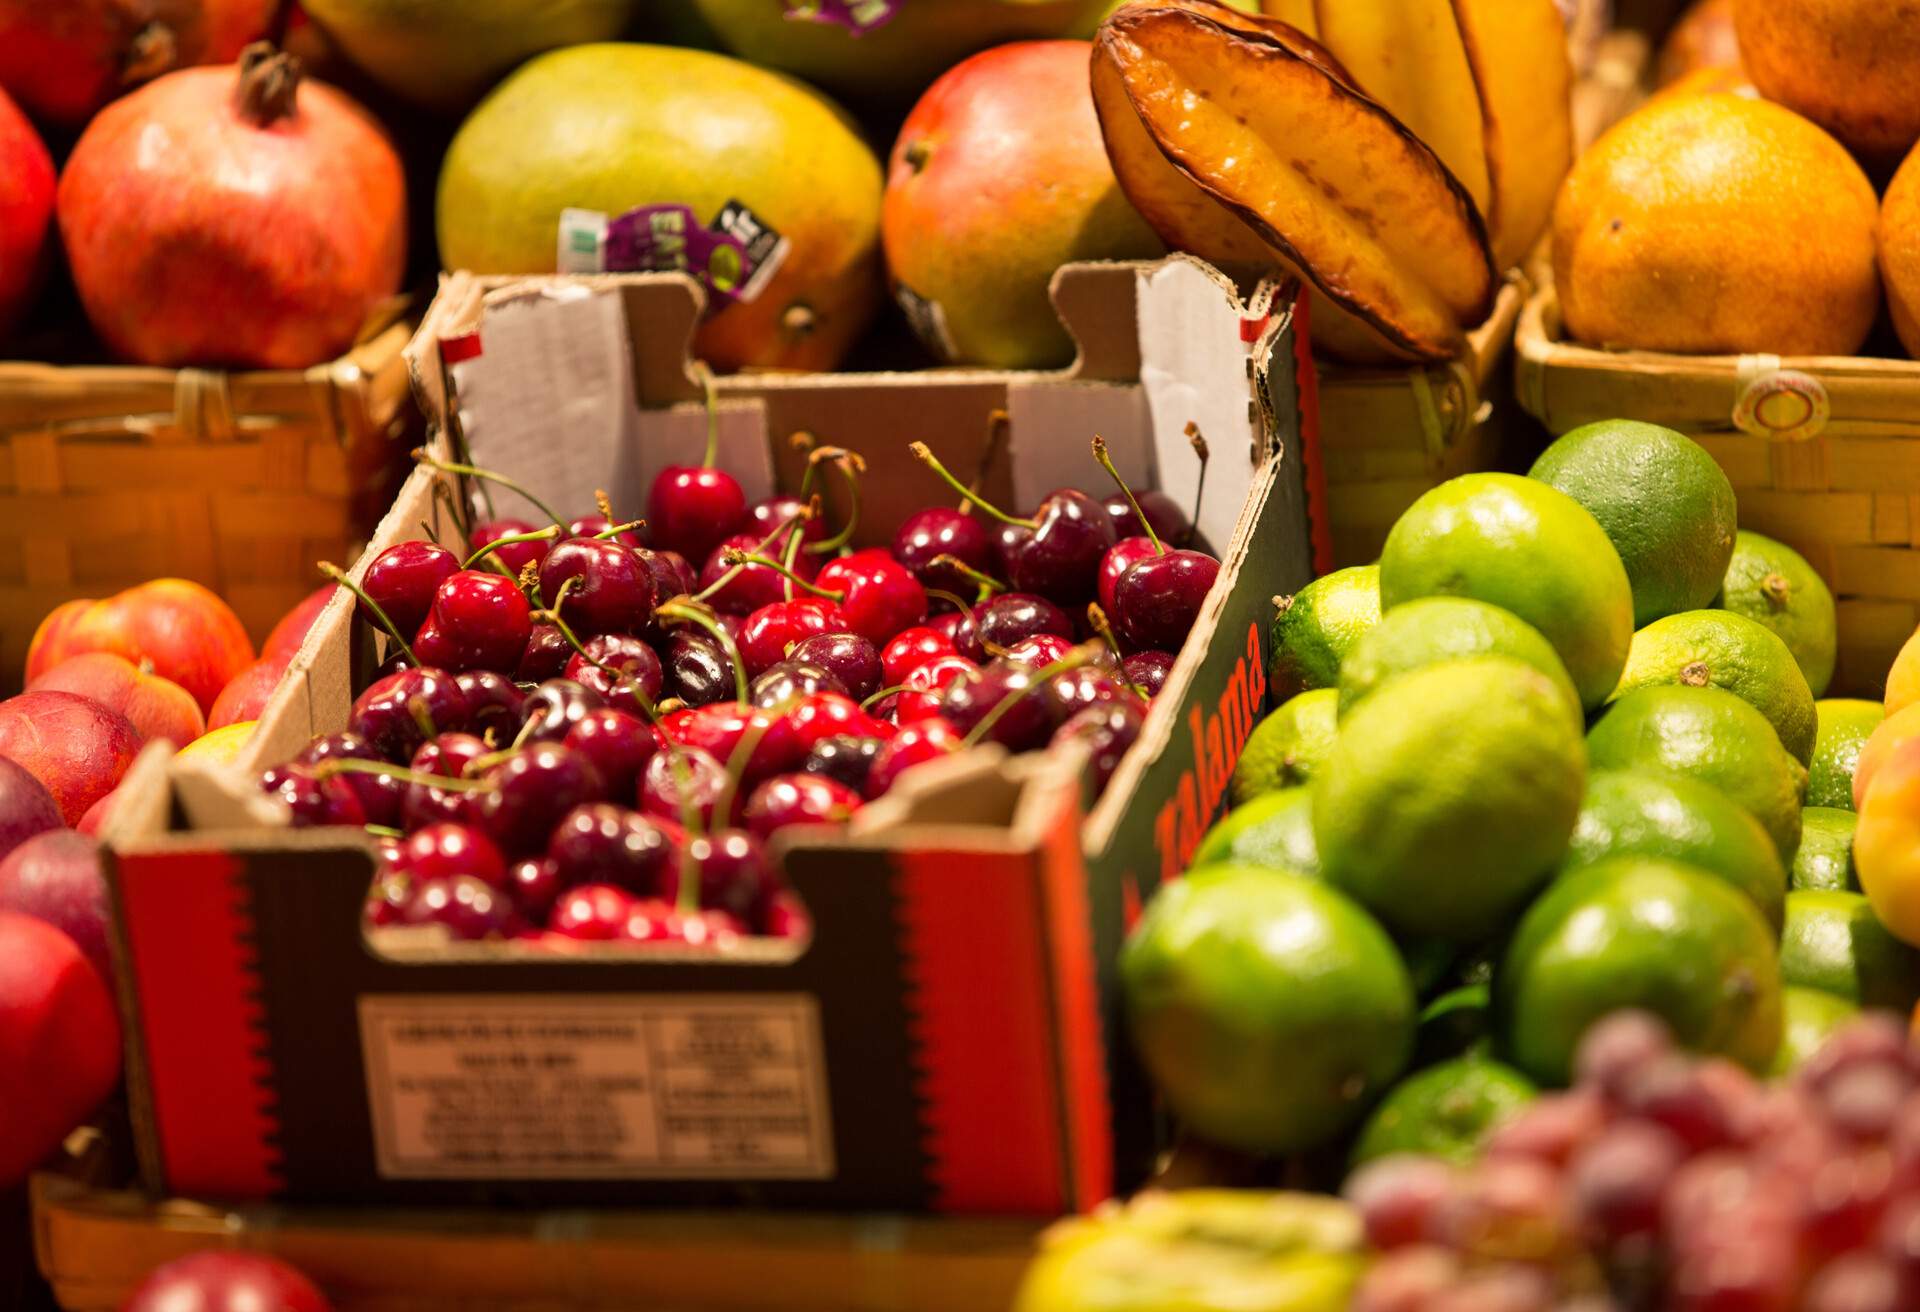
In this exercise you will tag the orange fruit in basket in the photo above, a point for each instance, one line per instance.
(1900, 251)
(1846, 64)
(1702, 40)
(1717, 224)
(1903, 677)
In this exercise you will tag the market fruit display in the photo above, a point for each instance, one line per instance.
(1772, 584)
(233, 216)
(1316, 627)
(26, 212)
(999, 177)
(1845, 64)
(59, 1041)
(76, 747)
(184, 632)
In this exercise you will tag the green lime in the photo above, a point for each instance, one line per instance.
(1637, 813)
(1287, 748)
(1274, 830)
(1200, 1250)
(1524, 546)
(1701, 648)
(1638, 932)
(1710, 735)
(1437, 629)
(1664, 503)
(1269, 1010)
(1824, 859)
(1810, 1017)
(1453, 1025)
(1450, 795)
(1834, 942)
(1315, 628)
(1770, 582)
(1443, 1111)
(1845, 724)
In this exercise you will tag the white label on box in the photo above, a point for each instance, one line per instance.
(596, 1087)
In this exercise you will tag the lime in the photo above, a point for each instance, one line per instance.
(1315, 628)
(1200, 1250)
(1636, 813)
(1810, 1017)
(1443, 1111)
(1770, 582)
(1710, 735)
(1844, 725)
(1269, 1010)
(1436, 629)
(1824, 859)
(1522, 545)
(1664, 503)
(1834, 942)
(1701, 648)
(1274, 830)
(1287, 748)
(1450, 794)
(1638, 932)
(1453, 1025)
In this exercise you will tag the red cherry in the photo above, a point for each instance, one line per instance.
(768, 632)
(465, 906)
(1011, 616)
(546, 655)
(1041, 650)
(486, 619)
(674, 782)
(698, 669)
(846, 757)
(769, 513)
(659, 922)
(924, 686)
(690, 508)
(534, 885)
(554, 707)
(618, 743)
(1157, 602)
(826, 715)
(798, 799)
(1167, 516)
(595, 912)
(515, 556)
(718, 730)
(1121, 557)
(1108, 729)
(222, 1280)
(1007, 691)
(315, 801)
(614, 592)
(528, 793)
(878, 596)
(848, 657)
(1148, 670)
(381, 795)
(787, 918)
(1060, 560)
(592, 526)
(402, 710)
(606, 844)
(912, 648)
(753, 586)
(916, 744)
(634, 681)
(445, 851)
(962, 630)
(736, 874)
(942, 531)
(402, 580)
(448, 755)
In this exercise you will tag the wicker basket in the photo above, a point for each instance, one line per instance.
(112, 475)
(1824, 454)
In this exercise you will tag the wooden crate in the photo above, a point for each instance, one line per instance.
(1843, 490)
(113, 475)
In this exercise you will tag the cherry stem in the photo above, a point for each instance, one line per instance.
(488, 476)
(952, 599)
(1084, 654)
(712, 399)
(734, 556)
(851, 466)
(612, 531)
(989, 585)
(623, 681)
(692, 612)
(1199, 445)
(1097, 621)
(887, 692)
(443, 495)
(806, 512)
(384, 831)
(353, 765)
(485, 553)
(737, 759)
(1106, 463)
(925, 456)
(998, 422)
(339, 576)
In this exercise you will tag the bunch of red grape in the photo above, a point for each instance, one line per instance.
(1664, 1181)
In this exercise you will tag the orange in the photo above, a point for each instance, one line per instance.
(1896, 729)
(1886, 843)
(1900, 253)
(1846, 64)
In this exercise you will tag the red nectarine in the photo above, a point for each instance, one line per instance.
(75, 747)
(26, 807)
(292, 628)
(49, 645)
(189, 634)
(246, 696)
(157, 707)
(56, 877)
(59, 1042)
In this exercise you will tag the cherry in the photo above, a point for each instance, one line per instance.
(962, 630)
(534, 885)
(425, 805)
(399, 712)
(466, 907)
(920, 697)
(1010, 688)
(387, 900)
(1123, 556)
(402, 581)
(606, 844)
(1164, 515)
(1148, 670)
(381, 795)
(752, 586)
(1040, 650)
(618, 743)
(877, 594)
(1069, 692)
(634, 680)
(736, 874)
(515, 556)
(850, 658)
(766, 634)
(658, 922)
(614, 588)
(1108, 729)
(447, 851)
(528, 793)
(787, 680)
(720, 728)
(845, 757)
(546, 654)
(495, 704)
(798, 799)
(592, 526)
(555, 707)
(673, 574)
(912, 648)
(594, 912)
(770, 513)
(315, 801)
(1157, 602)
(698, 669)
(826, 715)
(918, 743)
(941, 531)
(787, 917)
(484, 617)
(692, 507)
(1008, 618)
(448, 755)
(692, 776)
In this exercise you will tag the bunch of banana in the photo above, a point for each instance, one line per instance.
(1396, 153)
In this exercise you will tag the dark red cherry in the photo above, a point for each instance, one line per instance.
(847, 758)
(618, 743)
(916, 744)
(495, 704)
(485, 616)
(614, 593)
(1022, 722)
(1108, 729)
(798, 799)
(387, 900)
(381, 795)
(448, 851)
(426, 805)
(594, 912)
(315, 801)
(466, 907)
(674, 782)
(698, 670)
(448, 755)
(878, 596)
(403, 579)
(690, 508)
(555, 707)
(789, 680)
(769, 513)
(1061, 561)
(736, 874)
(1009, 540)
(943, 531)
(546, 654)
(766, 634)
(592, 526)
(527, 794)
(1167, 516)
(962, 630)
(787, 917)
(826, 715)
(607, 844)
(515, 556)
(673, 575)
(1041, 650)
(1069, 692)
(848, 657)
(634, 680)
(1121, 557)
(534, 885)
(1148, 670)
(399, 712)
(912, 648)
(751, 586)
(1011, 616)
(1157, 603)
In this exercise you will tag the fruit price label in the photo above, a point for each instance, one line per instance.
(857, 16)
(579, 1087)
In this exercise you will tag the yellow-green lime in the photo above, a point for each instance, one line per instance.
(1834, 942)
(1716, 648)
(1288, 748)
(1664, 503)
(1810, 1018)
(1640, 813)
(1770, 582)
(1638, 932)
(1443, 1111)
(1529, 548)
(1844, 725)
(1315, 628)
(1269, 1010)
(1824, 859)
(1435, 629)
(1450, 795)
(1710, 735)
(1274, 830)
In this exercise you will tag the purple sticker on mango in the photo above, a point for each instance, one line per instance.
(734, 257)
(857, 16)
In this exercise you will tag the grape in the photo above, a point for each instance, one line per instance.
(1903, 1140)
(1507, 1209)
(1616, 1047)
(1550, 1128)
(1858, 1282)
(1740, 1096)
(1670, 1093)
(1405, 1279)
(1900, 1236)
(1753, 1275)
(1875, 1036)
(1790, 1133)
(1397, 1197)
(1843, 1201)
(1503, 1288)
(1616, 1182)
(1703, 1195)
(1863, 1099)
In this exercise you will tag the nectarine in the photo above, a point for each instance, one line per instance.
(59, 1042)
(157, 707)
(26, 807)
(189, 634)
(56, 877)
(78, 749)
(246, 696)
(291, 630)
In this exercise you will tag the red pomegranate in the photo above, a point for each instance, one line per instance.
(26, 207)
(64, 59)
(233, 216)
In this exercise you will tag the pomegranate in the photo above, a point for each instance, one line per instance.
(233, 216)
(26, 206)
(62, 61)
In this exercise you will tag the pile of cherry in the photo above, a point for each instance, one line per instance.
(581, 736)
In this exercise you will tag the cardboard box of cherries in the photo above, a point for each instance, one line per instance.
(714, 793)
